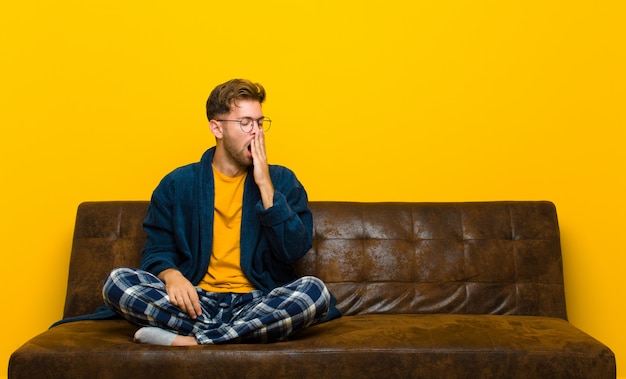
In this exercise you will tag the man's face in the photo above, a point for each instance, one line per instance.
(235, 141)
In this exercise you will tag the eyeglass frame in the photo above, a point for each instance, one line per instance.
(259, 123)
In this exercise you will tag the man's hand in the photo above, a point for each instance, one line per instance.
(261, 169)
(181, 292)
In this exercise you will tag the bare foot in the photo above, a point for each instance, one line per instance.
(184, 341)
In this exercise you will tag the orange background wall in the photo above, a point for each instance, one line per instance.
(371, 101)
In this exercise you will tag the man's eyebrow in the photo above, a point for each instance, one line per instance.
(253, 118)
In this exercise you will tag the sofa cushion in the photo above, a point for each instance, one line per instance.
(365, 346)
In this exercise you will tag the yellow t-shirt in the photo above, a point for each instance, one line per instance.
(224, 273)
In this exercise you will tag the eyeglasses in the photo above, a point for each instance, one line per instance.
(247, 123)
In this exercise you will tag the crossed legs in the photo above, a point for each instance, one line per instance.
(141, 298)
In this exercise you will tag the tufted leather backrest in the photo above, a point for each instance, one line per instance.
(107, 234)
(476, 258)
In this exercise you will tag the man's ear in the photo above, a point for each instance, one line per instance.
(216, 129)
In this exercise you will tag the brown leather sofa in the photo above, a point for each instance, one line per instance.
(428, 290)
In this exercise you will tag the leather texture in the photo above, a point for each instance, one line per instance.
(428, 290)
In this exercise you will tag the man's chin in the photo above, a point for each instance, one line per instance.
(246, 162)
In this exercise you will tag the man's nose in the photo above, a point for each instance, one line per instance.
(256, 126)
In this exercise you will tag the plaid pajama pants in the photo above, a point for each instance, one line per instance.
(140, 297)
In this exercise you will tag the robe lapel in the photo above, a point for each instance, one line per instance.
(204, 213)
(250, 226)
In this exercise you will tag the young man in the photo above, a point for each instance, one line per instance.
(223, 234)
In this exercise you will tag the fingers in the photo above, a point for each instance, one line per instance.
(259, 155)
(182, 293)
(195, 304)
(259, 158)
(260, 137)
(188, 302)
